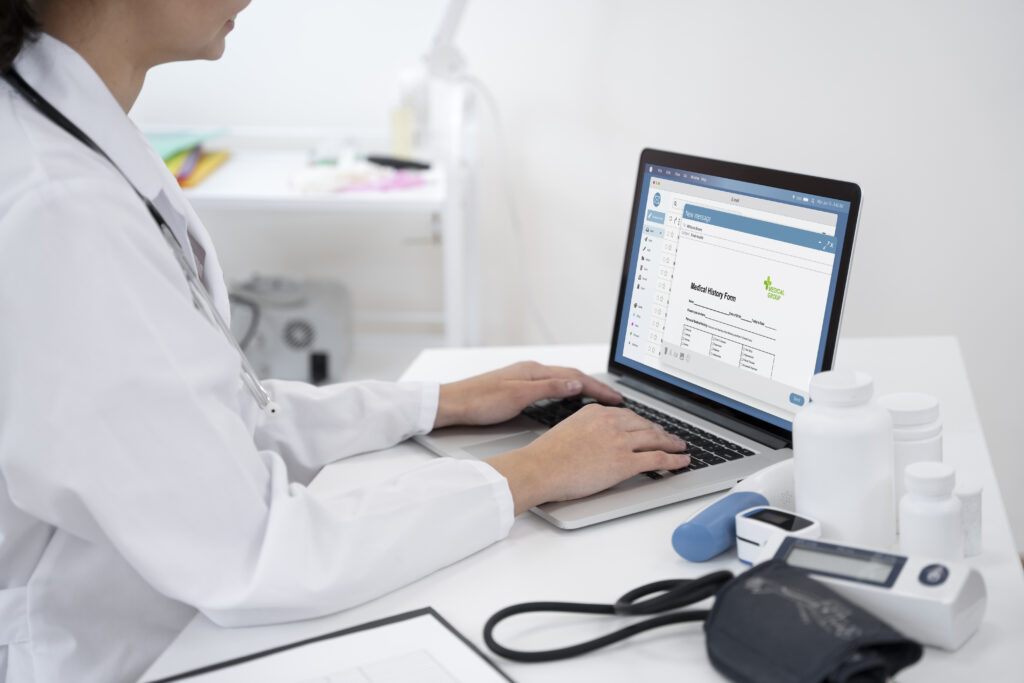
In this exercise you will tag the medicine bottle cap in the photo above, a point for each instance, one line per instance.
(841, 388)
(910, 409)
(930, 478)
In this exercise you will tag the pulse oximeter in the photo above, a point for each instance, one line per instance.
(764, 525)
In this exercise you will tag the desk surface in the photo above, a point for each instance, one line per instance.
(597, 564)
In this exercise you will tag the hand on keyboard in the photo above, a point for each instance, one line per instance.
(704, 448)
(594, 448)
(502, 394)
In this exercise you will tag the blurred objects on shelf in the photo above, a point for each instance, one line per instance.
(352, 176)
(184, 155)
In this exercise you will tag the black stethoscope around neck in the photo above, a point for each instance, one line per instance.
(200, 297)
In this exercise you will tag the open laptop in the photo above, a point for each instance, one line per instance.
(730, 300)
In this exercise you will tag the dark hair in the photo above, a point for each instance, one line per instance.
(18, 23)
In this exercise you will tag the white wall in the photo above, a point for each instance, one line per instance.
(919, 102)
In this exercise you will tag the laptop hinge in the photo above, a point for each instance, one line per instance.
(750, 431)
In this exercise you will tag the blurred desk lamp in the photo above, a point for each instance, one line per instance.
(434, 96)
(437, 119)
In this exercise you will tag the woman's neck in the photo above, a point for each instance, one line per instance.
(104, 40)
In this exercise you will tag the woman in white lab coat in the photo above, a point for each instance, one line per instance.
(139, 481)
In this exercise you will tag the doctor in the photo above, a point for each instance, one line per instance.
(139, 479)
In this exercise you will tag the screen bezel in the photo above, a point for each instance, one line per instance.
(795, 182)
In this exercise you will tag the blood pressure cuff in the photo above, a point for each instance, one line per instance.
(775, 624)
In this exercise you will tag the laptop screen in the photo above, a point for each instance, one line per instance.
(730, 288)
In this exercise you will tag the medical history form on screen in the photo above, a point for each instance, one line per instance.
(730, 289)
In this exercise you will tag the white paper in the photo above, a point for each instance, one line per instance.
(418, 649)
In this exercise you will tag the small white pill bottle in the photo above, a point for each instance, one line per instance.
(968, 490)
(916, 432)
(930, 523)
(843, 461)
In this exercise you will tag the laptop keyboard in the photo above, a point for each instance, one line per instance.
(704, 448)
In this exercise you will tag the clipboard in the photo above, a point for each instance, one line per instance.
(418, 645)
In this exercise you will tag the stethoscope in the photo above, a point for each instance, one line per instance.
(667, 597)
(200, 297)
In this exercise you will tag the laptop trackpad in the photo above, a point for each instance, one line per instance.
(509, 443)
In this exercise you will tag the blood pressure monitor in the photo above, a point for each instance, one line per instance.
(764, 525)
(938, 603)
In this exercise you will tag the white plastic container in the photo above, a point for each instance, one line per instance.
(843, 461)
(930, 521)
(968, 490)
(916, 432)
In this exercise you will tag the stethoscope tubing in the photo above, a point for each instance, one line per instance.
(672, 594)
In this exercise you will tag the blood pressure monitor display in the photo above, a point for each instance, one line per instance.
(876, 568)
(936, 603)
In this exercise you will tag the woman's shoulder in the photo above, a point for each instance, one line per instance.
(55, 190)
(40, 157)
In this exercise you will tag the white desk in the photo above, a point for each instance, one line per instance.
(597, 564)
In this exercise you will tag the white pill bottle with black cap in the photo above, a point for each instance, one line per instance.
(843, 470)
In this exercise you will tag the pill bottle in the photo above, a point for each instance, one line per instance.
(916, 432)
(843, 461)
(968, 490)
(930, 523)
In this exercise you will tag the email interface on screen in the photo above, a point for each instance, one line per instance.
(730, 289)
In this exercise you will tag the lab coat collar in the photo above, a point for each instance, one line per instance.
(67, 81)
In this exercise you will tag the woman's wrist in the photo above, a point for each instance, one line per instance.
(449, 406)
(526, 480)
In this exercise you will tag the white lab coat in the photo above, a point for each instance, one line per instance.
(138, 480)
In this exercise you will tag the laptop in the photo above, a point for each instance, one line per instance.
(730, 300)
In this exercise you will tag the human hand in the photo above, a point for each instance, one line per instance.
(593, 449)
(502, 394)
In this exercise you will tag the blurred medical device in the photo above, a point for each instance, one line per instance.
(293, 329)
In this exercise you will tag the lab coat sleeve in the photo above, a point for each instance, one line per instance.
(324, 424)
(123, 426)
